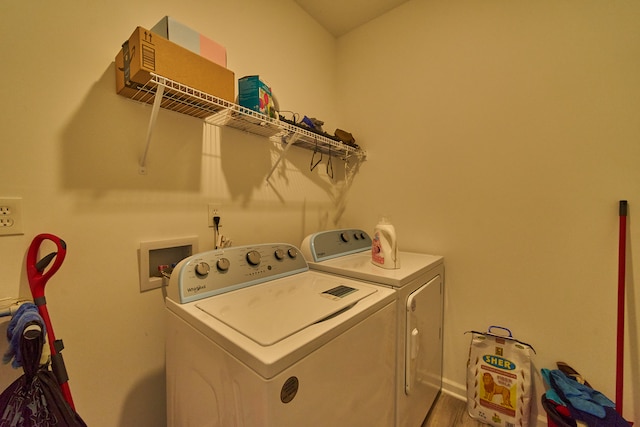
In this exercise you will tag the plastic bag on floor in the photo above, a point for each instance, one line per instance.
(35, 399)
(499, 379)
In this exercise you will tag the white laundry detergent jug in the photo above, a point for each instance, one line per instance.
(384, 248)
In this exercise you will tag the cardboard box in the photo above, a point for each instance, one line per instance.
(256, 95)
(145, 53)
(188, 38)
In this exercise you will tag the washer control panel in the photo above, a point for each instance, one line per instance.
(334, 243)
(210, 273)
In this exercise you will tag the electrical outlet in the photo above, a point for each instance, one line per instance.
(10, 216)
(214, 210)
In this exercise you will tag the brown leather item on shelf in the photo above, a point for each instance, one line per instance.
(345, 137)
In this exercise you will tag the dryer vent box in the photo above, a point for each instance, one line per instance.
(154, 255)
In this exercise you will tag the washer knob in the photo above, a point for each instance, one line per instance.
(223, 264)
(253, 257)
(344, 236)
(202, 269)
(279, 254)
(292, 252)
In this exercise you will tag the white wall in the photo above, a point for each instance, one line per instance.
(502, 135)
(70, 149)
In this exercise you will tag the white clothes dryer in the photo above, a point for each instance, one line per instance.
(256, 339)
(419, 283)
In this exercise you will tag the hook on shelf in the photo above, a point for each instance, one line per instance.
(312, 165)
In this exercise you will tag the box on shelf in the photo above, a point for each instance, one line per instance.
(256, 95)
(145, 53)
(188, 38)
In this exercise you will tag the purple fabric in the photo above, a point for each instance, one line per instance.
(26, 314)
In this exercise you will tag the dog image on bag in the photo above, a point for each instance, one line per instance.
(491, 389)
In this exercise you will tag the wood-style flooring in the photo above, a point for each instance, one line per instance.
(448, 411)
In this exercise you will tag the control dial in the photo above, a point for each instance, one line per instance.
(223, 264)
(202, 269)
(344, 236)
(292, 252)
(279, 254)
(253, 257)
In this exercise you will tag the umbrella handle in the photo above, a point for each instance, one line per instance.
(38, 277)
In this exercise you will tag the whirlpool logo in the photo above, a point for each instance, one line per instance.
(499, 362)
(195, 289)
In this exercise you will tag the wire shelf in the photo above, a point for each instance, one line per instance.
(217, 111)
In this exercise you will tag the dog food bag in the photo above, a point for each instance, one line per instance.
(499, 382)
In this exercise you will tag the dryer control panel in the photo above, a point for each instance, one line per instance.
(334, 243)
(210, 273)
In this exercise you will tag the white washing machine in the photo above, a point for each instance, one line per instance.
(256, 339)
(419, 284)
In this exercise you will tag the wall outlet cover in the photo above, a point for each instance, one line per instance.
(10, 216)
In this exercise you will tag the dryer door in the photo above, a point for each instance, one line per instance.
(423, 351)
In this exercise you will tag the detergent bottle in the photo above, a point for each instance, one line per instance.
(384, 248)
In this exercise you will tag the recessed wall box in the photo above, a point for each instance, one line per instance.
(153, 255)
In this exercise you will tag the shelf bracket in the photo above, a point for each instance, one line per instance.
(289, 141)
(152, 123)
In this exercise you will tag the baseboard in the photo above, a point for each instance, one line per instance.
(457, 390)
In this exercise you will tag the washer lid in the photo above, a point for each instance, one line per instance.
(359, 266)
(270, 312)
